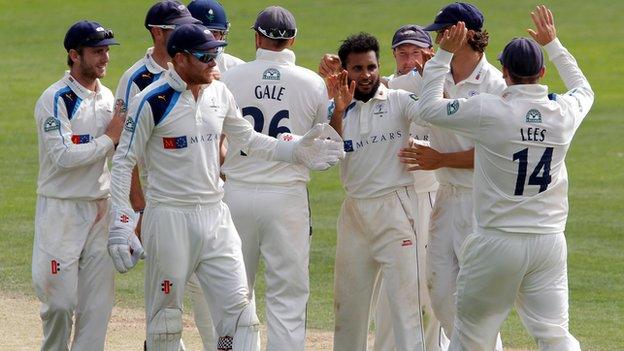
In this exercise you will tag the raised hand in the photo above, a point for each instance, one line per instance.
(115, 126)
(330, 64)
(453, 38)
(340, 90)
(545, 30)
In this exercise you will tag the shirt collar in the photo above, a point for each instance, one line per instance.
(478, 74)
(382, 93)
(285, 56)
(173, 79)
(150, 63)
(525, 92)
(79, 89)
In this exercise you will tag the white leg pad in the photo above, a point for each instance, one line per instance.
(247, 336)
(165, 330)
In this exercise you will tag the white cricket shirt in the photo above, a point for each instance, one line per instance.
(374, 132)
(424, 181)
(521, 140)
(484, 79)
(276, 97)
(178, 137)
(226, 61)
(71, 121)
(143, 73)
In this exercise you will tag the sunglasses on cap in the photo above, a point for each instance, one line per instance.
(98, 36)
(205, 57)
(163, 26)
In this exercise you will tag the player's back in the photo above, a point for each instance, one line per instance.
(276, 97)
(521, 180)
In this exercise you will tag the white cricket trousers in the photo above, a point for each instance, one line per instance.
(452, 220)
(201, 314)
(499, 269)
(273, 222)
(376, 236)
(183, 240)
(435, 340)
(72, 272)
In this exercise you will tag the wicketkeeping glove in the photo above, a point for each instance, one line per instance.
(123, 245)
(319, 149)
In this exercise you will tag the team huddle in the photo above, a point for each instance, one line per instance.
(454, 174)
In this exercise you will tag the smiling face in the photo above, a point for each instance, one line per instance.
(93, 61)
(363, 68)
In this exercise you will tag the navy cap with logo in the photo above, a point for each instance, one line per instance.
(412, 34)
(211, 13)
(275, 22)
(523, 57)
(168, 13)
(88, 33)
(192, 38)
(453, 13)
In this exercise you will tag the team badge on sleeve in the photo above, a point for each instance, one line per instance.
(51, 124)
(129, 126)
(452, 107)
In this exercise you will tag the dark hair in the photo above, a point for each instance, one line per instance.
(479, 40)
(358, 43)
(70, 63)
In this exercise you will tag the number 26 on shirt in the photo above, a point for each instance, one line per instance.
(274, 126)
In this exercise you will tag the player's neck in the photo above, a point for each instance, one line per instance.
(464, 63)
(161, 56)
(87, 82)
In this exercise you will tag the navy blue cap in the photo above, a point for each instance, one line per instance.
(168, 13)
(210, 12)
(192, 38)
(88, 33)
(275, 22)
(523, 57)
(453, 13)
(412, 34)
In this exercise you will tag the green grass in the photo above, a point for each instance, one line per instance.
(32, 58)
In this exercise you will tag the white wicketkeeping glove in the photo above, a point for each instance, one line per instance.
(319, 149)
(123, 245)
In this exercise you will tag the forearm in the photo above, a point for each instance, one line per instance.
(432, 102)
(137, 199)
(336, 120)
(460, 159)
(76, 155)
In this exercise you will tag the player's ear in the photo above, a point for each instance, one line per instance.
(291, 42)
(258, 40)
(542, 72)
(74, 55)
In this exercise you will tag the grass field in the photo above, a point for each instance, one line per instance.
(32, 58)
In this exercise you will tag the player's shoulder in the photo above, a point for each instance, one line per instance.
(307, 74)
(231, 60)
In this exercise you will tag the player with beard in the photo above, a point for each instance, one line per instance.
(77, 129)
(376, 227)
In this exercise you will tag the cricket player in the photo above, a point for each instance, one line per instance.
(212, 15)
(77, 128)
(451, 155)
(411, 48)
(175, 125)
(518, 252)
(160, 20)
(269, 200)
(376, 225)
